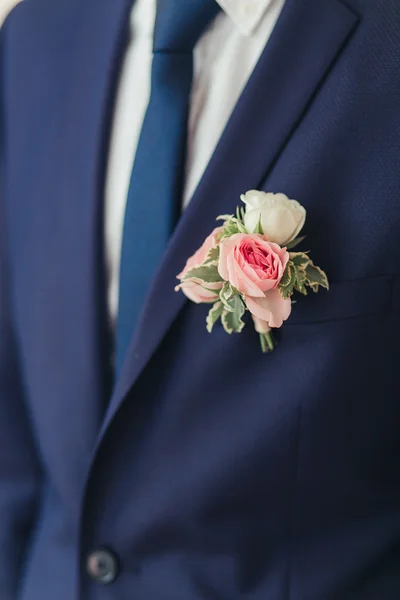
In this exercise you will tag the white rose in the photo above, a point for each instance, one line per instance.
(282, 219)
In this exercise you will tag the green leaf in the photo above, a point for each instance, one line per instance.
(233, 226)
(206, 273)
(230, 229)
(239, 220)
(232, 320)
(241, 227)
(288, 281)
(300, 280)
(226, 294)
(287, 290)
(224, 217)
(299, 259)
(212, 256)
(214, 314)
(316, 277)
(287, 275)
(295, 242)
(294, 278)
(259, 228)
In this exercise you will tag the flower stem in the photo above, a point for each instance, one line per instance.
(263, 342)
(270, 341)
(267, 342)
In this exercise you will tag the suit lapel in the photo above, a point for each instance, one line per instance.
(98, 40)
(303, 47)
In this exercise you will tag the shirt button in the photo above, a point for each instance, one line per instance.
(102, 565)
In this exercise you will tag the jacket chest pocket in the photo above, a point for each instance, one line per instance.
(348, 300)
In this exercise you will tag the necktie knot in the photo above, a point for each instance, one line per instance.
(180, 23)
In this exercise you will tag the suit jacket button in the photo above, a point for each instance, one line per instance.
(102, 565)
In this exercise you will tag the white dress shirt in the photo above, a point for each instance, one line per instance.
(224, 58)
(5, 7)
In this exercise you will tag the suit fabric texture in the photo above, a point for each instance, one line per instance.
(211, 470)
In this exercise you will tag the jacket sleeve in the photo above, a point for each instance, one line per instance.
(19, 466)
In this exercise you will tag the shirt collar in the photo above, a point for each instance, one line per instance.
(246, 14)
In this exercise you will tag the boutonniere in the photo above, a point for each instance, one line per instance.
(248, 264)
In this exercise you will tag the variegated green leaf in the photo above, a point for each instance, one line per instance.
(299, 259)
(206, 273)
(316, 277)
(300, 280)
(287, 276)
(287, 290)
(226, 291)
(214, 314)
(212, 256)
(226, 294)
(294, 278)
(232, 320)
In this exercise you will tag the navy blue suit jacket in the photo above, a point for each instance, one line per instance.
(211, 470)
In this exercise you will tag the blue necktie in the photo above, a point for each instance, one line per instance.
(155, 187)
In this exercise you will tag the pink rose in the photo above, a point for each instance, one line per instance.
(255, 266)
(251, 263)
(271, 310)
(192, 287)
